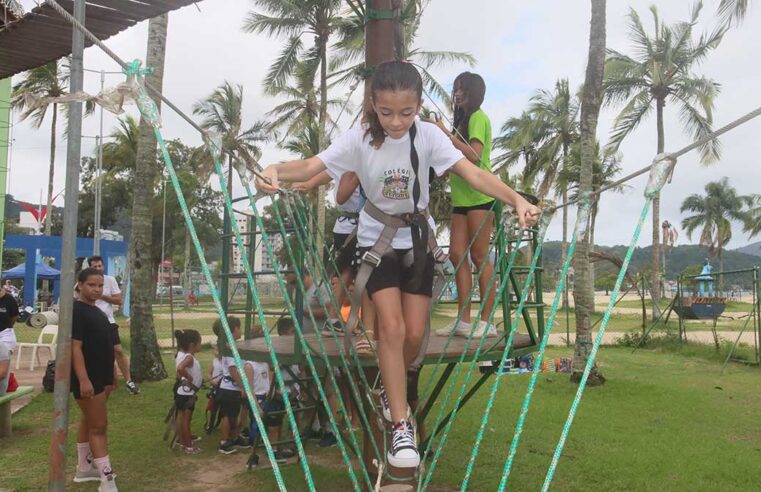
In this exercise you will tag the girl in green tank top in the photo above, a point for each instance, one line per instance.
(470, 209)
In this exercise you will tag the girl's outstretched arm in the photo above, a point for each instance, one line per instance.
(299, 170)
(490, 184)
(320, 179)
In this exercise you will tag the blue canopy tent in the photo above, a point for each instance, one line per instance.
(44, 272)
(41, 272)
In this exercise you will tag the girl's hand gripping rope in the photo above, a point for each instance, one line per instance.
(267, 181)
(528, 215)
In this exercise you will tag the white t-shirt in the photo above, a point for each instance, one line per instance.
(227, 382)
(8, 337)
(194, 370)
(110, 288)
(386, 173)
(217, 370)
(291, 385)
(261, 377)
(346, 225)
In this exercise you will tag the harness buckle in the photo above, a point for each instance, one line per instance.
(439, 255)
(371, 258)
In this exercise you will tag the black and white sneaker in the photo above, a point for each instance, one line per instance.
(332, 326)
(403, 452)
(132, 387)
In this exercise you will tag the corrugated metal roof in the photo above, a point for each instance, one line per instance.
(42, 35)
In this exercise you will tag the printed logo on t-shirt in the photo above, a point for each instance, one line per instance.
(396, 184)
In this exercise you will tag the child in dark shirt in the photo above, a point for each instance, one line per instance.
(92, 362)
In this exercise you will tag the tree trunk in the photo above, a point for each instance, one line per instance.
(591, 100)
(564, 246)
(51, 172)
(145, 355)
(592, 273)
(720, 280)
(655, 288)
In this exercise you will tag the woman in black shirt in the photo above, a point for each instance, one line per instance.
(92, 361)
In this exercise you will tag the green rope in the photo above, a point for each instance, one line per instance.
(544, 224)
(661, 169)
(352, 384)
(273, 354)
(218, 304)
(580, 228)
(461, 312)
(305, 348)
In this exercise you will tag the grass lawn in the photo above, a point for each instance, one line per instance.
(666, 420)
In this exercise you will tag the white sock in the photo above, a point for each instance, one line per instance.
(84, 458)
(103, 465)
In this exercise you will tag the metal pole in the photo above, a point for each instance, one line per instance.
(98, 183)
(163, 241)
(5, 145)
(58, 441)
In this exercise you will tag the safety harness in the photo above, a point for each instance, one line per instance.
(423, 242)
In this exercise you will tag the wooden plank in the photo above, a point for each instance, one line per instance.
(257, 349)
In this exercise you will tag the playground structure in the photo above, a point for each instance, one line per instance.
(689, 304)
(381, 18)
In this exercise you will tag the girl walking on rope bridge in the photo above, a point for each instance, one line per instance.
(392, 154)
(471, 210)
(189, 380)
(92, 364)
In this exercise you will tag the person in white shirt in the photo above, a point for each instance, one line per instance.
(112, 296)
(189, 380)
(391, 155)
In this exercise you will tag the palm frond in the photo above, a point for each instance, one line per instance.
(630, 117)
(284, 65)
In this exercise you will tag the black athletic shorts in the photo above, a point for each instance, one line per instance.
(185, 402)
(115, 336)
(229, 403)
(339, 240)
(465, 210)
(98, 384)
(392, 273)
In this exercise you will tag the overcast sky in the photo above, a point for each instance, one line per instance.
(520, 47)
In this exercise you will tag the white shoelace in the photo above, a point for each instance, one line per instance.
(403, 438)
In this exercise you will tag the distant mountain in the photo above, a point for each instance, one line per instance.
(751, 249)
(677, 260)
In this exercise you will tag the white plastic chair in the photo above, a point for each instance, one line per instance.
(50, 331)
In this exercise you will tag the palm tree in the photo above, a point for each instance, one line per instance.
(591, 100)
(660, 72)
(753, 220)
(49, 80)
(733, 11)
(145, 356)
(349, 61)
(223, 114)
(301, 107)
(713, 214)
(520, 137)
(318, 18)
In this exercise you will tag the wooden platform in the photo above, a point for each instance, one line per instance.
(289, 352)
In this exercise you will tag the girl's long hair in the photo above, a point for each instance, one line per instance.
(474, 88)
(390, 76)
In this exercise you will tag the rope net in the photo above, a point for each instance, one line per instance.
(329, 367)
